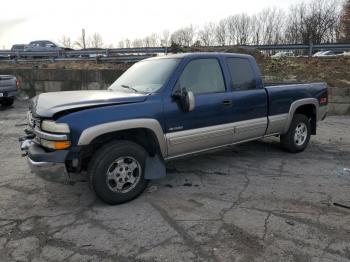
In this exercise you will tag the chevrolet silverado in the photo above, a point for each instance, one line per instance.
(164, 108)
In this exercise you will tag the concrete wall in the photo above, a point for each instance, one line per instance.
(36, 81)
(339, 101)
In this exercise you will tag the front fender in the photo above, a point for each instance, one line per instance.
(91, 133)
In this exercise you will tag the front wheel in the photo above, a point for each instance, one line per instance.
(298, 136)
(117, 172)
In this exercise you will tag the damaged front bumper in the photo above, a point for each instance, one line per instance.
(49, 165)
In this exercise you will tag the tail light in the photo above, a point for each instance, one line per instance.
(18, 83)
(323, 100)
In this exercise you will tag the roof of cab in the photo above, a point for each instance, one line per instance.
(201, 54)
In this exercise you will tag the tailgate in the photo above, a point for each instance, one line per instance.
(7, 83)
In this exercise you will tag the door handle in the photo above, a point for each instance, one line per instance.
(227, 103)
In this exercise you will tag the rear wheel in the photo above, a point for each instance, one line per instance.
(7, 101)
(298, 136)
(117, 172)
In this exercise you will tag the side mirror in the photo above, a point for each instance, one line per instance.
(185, 98)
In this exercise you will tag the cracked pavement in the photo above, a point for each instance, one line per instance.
(250, 202)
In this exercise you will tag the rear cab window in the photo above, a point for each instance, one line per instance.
(242, 74)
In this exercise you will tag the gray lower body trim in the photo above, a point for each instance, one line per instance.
(218, 147)
(277, 123)
(194, 140)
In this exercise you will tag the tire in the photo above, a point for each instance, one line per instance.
(125, 163)
(7, 101)
(293, 142)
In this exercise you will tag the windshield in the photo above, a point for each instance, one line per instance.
(146, 76)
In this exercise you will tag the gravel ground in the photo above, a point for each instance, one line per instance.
(251, 202)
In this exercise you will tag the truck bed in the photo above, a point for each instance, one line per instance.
(282, 96)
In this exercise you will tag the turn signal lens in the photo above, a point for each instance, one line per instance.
(55, 144)
(62, 144)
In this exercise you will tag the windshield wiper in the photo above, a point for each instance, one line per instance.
(129, 87)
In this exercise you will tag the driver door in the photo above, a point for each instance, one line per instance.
(207, 125)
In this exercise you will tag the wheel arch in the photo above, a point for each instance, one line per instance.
(308, 107)
(146, 132)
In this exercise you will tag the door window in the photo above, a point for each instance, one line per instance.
(242, 74)
(202, 76)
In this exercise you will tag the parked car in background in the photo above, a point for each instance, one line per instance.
(17, 48)
(164, 108)
(283, 54)
(4, 57)
(42, 46)
(9, 86)
(325, 53)
(330, 53)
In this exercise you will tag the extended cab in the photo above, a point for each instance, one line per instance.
(164, 108)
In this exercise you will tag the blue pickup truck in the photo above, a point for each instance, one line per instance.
(164, 108)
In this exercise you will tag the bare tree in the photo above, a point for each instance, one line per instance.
(188, 34)
(176, 37)
(165, 39)
(153, 40)
(184, 36)
(127, 43)
(146, 42)
(96, 41)
(243, 29)
(232, 29)
(271, 21)
(239, 29)
(315, 22)
(121, 44)
(82, 41)
(66, 41)
(344, 27)
(137, 42)
(221, 33)
(207, 34)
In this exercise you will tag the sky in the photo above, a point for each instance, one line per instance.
(114, 20)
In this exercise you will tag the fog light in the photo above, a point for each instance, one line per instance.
(55, 144)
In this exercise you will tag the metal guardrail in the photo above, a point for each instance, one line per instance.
(115, 53)
(301, 46)
(136, 54)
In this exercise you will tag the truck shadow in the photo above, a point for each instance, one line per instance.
(4, 108)
(77, 185)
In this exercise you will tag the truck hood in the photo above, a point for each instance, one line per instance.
(48, 104)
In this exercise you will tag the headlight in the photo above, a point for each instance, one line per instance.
(55, 144)
(52, 126)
